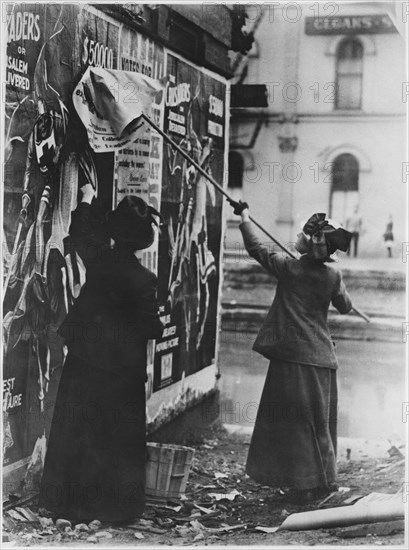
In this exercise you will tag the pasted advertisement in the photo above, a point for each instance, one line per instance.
(97, 45)
(98, 38)
(40, 174)
(138, 167)
(111, 105)
(24, 44)
(189, 247)
(47, 160)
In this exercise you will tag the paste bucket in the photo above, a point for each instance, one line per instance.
(167, 470)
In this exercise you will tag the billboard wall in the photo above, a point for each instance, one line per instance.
(47, 159)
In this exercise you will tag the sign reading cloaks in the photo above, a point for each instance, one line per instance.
(111, 103)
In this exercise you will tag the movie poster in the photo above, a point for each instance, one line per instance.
(47, 160)
(37, 195)
(98, 36)
(189, 247)
(97, 45)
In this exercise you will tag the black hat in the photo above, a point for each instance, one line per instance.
(324, 230)
(132, 222)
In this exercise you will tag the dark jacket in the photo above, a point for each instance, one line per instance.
(296, 327)
(117, 310)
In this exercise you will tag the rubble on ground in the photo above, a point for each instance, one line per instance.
(223, 506)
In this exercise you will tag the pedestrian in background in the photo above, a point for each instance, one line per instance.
(95, 461)
(294, 443)
(354, 226)
(388, 236)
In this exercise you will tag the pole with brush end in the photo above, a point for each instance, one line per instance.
(223, 192)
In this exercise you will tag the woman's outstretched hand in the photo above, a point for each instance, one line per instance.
(88, 193)
(241, 209)
(238, 206)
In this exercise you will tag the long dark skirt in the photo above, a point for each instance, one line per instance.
(96, 456)
(294, 442)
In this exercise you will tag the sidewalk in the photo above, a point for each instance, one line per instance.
(387, 265)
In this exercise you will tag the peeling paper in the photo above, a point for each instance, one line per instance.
(227, 496)
(174, 508)
(267, 529)
(197, 526)
(176, 398)
(205, 510)
(16, 516)
(220, 475)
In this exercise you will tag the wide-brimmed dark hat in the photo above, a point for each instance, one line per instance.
(326, 234)
(132, 222)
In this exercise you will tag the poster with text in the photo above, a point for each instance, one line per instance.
(39, 192)
(47, 160)
(189, 246)
(138, 167)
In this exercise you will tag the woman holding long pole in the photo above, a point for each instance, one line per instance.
(294, 443)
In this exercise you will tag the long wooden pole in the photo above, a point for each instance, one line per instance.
(223, 192)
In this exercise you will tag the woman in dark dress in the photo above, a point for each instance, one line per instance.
(294, 442)
(95, 461)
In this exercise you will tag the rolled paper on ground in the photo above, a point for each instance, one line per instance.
(371, 509)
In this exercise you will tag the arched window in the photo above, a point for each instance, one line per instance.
(344, 188)
(345, 173)
(349, 74)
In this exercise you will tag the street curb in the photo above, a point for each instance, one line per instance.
(342, 327)
(241, 274)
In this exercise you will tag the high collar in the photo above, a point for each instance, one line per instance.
(307, 259)
(123, 253)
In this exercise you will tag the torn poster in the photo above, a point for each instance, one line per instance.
(110, 104)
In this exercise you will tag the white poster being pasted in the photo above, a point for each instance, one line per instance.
(111, 103)
(139, 165)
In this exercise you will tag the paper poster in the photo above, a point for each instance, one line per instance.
(138, 166)
(189, 247)
(38, 75)
(110, 104)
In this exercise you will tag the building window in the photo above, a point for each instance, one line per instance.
(349, 74)
(344, 189)
(235, 182)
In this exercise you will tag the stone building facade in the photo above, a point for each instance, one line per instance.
(332, 138)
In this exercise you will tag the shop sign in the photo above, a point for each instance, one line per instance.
(349, 24)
